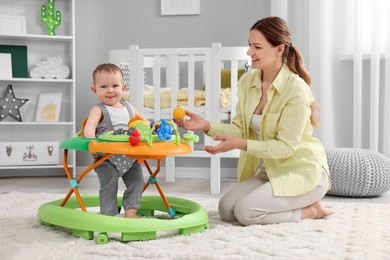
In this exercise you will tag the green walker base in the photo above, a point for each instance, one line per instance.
(190, 218)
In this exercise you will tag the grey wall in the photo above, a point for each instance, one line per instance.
(102, 25)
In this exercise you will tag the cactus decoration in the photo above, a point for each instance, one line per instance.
(49, 18)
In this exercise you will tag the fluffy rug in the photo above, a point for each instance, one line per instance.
(357, 230)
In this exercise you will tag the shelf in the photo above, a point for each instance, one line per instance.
(37, 123)
(22, 167)
(40, 46)
(37, 80)
(36, 37)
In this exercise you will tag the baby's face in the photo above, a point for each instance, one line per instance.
(109, 88)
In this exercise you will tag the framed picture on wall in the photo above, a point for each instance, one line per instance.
(48, 107)
(180, 7)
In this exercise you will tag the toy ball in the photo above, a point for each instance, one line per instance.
(179, 113)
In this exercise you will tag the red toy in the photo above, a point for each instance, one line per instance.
(135, 137)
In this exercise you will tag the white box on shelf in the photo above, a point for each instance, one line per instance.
(13, 24)
(29, 153)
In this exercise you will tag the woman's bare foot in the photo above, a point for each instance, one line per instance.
(315, 211)
(131, 213)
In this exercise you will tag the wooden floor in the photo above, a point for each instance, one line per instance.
(90, 185)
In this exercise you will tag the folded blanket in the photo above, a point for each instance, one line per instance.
(165, 97)
(182, 97)
(225, 97)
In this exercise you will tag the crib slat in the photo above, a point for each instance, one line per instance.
(173, 72)
(136, 78)
(191, 82)
(157, 86)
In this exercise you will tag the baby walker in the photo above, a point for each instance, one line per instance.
(71, 212)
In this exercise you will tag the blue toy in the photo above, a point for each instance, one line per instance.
(165, 131)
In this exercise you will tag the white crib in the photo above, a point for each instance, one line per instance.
(189, 72)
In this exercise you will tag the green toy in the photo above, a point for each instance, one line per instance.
(188, 137)
(190, 218)
(49, 18)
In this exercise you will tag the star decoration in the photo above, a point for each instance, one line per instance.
(9, 105)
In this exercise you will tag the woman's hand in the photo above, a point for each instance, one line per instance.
(227, 143)
(194, 123)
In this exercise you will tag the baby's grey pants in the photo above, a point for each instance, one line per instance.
(108, 179)
(253, 202)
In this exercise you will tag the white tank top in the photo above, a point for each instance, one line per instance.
(255, 125)
(119, 117)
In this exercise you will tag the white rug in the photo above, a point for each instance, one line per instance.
(357, 230)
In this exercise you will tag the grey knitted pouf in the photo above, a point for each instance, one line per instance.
(358, 172)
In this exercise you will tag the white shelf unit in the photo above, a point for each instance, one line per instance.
(41, 46)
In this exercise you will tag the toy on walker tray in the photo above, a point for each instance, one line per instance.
(141, 131)
(137, 141)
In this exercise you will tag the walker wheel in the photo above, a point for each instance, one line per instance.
(102, 239)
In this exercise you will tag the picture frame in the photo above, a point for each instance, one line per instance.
(18, 59)
(13, 25)
(48, 107)
(180, 7)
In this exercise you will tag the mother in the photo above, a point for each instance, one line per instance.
(282, 169)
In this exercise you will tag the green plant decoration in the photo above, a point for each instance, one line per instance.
(49, 18)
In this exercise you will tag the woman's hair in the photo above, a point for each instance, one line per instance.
(276, 31)
(106, 67)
